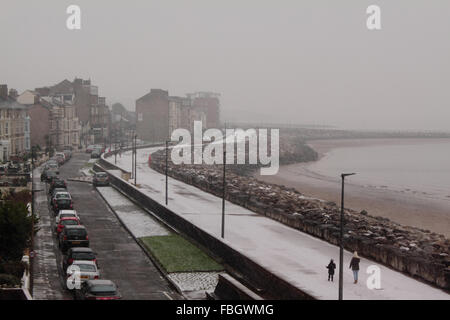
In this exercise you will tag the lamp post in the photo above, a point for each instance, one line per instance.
(341, 241)
(223, 193)
(132, 157)
(167, 173)
(135, 159)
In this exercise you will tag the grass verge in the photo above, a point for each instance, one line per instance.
(176, 254)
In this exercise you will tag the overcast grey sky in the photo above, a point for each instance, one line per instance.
(297, 61)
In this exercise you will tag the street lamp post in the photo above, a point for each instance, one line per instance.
(135, 159)
(341, 241)
(223, 193)
(132, 157)
(167, 175)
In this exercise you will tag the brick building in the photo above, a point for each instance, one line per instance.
(159, 114)
(208, 103)
(152, 111)
(39, 116)
(90, 109)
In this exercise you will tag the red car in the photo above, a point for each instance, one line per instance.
(71, 221)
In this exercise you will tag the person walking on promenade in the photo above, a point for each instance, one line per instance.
(354, 265)
(331, 266)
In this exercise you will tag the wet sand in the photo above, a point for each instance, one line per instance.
(405, 208)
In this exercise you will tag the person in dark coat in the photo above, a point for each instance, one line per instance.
(331, 266)
(354, 265)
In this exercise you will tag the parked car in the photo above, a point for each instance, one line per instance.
(61, 201)
(13, 167)
(73, 236)
(87, 270)
(59, 160)
(71, 221)
(57, 183)
(61, 155)
(52, 166)
(68, 154)
(66, 214)
(59, 193)
(48, 175)
(90, 148)
(95, 154)
(78, 253)
(100, 179)
(97, 290)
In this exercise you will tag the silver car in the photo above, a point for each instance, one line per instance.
(81, 271)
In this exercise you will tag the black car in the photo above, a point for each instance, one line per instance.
(78, 253)
(49, 175)
(95, 154)
(100, 179)
(61, 203)
(97, 290)
(57, 183)
(73, 236)
(13, 168)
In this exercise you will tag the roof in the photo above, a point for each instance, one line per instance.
(100, 282)
(9, 103)
(75, 227)
(81, 249)
(84, 262)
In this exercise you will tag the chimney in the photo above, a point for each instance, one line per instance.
(4, 91)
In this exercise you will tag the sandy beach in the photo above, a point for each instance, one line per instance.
(412, 209)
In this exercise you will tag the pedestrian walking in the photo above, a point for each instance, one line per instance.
(331, 266)
(354, 265)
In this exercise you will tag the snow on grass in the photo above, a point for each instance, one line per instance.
(176, 254)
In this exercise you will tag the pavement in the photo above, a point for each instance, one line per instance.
(119, 257)
(47, 282)
(292, 255)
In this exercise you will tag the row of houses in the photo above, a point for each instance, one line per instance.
(159, 114)
(69, 114)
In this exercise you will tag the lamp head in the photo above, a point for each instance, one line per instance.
(343, 175)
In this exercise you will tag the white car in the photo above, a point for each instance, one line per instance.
(66, 214)
(61, 195)
(61, 154)
(86, 270)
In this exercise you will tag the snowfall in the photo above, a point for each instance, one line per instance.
(292, 255)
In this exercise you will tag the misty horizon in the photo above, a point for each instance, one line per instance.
(298, 63)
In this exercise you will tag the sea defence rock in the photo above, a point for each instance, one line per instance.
(416, 252)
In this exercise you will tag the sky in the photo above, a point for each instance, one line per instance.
(305, 62)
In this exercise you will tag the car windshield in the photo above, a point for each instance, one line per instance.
(69, 222)
(85, 267)
(100, 175)
(83, 256)
(62, 196)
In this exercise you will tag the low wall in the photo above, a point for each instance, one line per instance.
(265, 282)
(229, 288)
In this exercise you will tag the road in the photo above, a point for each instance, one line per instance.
(119, 257)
